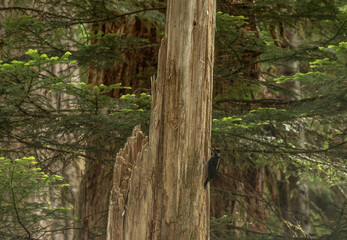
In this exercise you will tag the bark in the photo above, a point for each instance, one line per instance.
(93, 200)
(294, 196)
(181, 121)
(124, 167)
(97, 181)
(166, 198)
(140, 63)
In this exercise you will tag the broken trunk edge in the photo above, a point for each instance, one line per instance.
(124, 168)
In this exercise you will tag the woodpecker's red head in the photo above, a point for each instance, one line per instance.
(216, 151)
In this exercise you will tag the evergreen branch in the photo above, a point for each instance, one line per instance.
(265, 234)
(83, 21)
(15, 207)
(76, 21)
(337, 33)
(329, 164)
(271, 102)
(289, 150)
(54, 148)
(293, 151)
(23, 9)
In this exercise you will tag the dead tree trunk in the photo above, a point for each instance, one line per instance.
(166, 198)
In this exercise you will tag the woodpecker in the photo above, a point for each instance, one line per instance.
(213, 165)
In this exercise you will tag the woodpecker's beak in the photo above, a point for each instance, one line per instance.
(213, 149)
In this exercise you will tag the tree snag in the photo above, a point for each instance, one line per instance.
(166, 198)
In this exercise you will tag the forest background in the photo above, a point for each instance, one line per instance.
(75, 81)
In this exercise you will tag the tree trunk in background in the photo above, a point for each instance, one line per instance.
(239, 189)
(97, 180)
(68, 169)
(166, 198)
(140, 63)
(294, 197)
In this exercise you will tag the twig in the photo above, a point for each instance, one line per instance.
(15, 208)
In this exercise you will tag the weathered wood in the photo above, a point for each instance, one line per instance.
(166, 198)
(124, 168)
(181, 121)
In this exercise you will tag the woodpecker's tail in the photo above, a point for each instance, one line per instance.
(206, 181)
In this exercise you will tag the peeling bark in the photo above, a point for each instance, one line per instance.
(166, 198)
(125, 167)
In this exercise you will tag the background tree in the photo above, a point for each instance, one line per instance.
(24, 212)
(273, 140)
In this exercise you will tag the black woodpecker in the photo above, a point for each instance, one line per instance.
(213, 165)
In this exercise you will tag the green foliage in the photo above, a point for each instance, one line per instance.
(48, 109)
(233, 43)
(325, 91)
(252, 131)
(24, 192)
(135, 105)
(54, 28)
(31, 116)
(319, 110)
(301, 133)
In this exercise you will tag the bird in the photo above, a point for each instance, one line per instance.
(213, 164)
